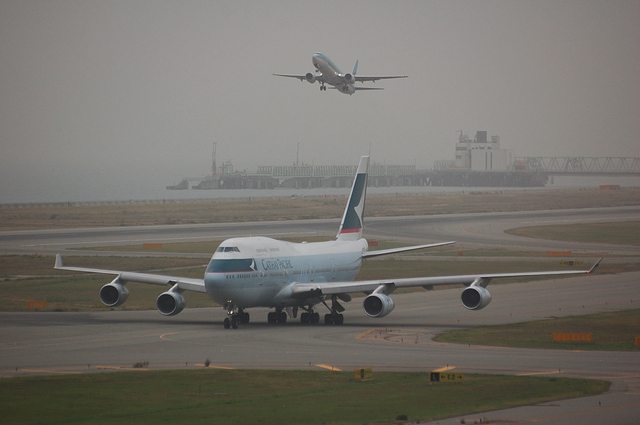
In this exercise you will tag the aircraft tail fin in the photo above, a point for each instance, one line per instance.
(355, 69)
(352, 219)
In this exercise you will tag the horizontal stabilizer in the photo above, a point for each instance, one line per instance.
(379, 252)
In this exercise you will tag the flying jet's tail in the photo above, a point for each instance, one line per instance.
(351, 226)
(355, 69)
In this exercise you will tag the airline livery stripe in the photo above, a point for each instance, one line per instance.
(350, 230)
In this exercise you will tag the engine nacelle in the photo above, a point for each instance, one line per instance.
(114, 294)
(170, 303)
(348, 78)
(378, 305)
(475, 298)
(310, 77)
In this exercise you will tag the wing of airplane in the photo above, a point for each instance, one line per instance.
(331, 288)
(312, 78)
(374, 78)
(379, 304)
(114, 294)
(183, 283)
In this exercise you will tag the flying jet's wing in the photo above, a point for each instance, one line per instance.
(306, 290)
(302, 77)
(367, 88)
(363, 78)
(184, 283)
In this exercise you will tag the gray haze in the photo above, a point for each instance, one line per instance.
(107, 100)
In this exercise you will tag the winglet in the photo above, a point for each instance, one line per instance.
(58, 262)
(594, 266)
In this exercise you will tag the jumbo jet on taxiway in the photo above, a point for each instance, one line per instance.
(287, 277)
(328, 73)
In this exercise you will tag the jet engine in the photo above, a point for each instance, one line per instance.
(170, 303)
(378, 305)
(475, 298)
(348, 78)
(114, 294)
(310, 77)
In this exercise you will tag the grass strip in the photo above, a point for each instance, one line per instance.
(270, 209)
(614, 331)
(208, 396)
(622, 233)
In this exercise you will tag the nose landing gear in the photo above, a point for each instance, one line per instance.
(236, 317)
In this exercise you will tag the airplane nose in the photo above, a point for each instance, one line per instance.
(215, 280)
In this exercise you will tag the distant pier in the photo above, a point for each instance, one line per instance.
(524, 172)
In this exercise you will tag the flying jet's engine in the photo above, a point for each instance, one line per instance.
(348, 78)
(378, 305)
(310, 77)
(475, 298)
(114, 294)
(170, 303)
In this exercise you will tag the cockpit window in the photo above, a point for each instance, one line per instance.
(228, 266)
(227, 249)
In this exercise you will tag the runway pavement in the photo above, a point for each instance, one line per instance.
(35, 343)
(473, 230)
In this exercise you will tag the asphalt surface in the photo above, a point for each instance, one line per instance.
(50, 343)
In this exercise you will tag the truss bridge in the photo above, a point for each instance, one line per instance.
(619, 166)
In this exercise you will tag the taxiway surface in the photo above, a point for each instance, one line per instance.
(33, 343)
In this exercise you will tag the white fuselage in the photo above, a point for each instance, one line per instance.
(257, 271)
(331, 73)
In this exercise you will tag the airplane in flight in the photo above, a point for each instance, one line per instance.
(328, 73)
(289, 277)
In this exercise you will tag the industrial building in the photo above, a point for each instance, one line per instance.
(481, 154)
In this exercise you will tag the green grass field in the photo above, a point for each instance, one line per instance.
(269, 209)
(615, 331)
(622, 233)
(207, 396)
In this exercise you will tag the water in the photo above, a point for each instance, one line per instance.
(117, 190)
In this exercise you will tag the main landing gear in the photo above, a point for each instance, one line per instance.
(278, 316)
(238, 316)
(335, 317)
(310, 317)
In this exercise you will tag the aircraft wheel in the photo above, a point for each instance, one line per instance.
(244, 318)
(227, 323)
(271, 317)
(282, 318)
(315, 319)
(234, 322)
(328, 319)
(304, 318)
(338, 320)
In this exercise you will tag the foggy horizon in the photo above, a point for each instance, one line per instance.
(116, 98)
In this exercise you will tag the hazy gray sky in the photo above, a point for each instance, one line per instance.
(114, 96)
